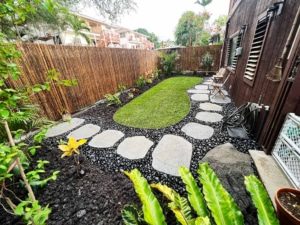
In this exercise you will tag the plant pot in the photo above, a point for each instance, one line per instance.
(284, 215)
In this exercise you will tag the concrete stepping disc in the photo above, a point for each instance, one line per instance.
(207, 106)
(106, 139)
(200, 97)
(171, 153)
(196, 91)
(219, 99)
(134, 147)
(198, 131)
(201, 87)
(207, 82)
(64, 127)
(209, 117)
(85, 131)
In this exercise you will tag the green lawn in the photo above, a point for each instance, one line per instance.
(163, 105)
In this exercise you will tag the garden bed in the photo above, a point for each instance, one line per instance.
(97, 195)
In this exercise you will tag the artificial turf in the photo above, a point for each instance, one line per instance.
(163, 105)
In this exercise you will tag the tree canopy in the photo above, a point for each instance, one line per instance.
(151, 36)
(191, 29)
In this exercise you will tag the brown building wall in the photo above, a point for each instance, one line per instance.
(247, 12)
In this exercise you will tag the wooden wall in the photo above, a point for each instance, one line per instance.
(247, 13)
(98, 71)
(190, 57)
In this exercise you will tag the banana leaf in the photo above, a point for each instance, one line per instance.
(152, 210)
(265, 210)
(179, 205)
(202, 221)
(195, 196)
(222, 206)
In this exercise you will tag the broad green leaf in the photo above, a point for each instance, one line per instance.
(202, 221)
(4, 113)
(265, 210)
(195, 196)
(130, 215)
(152, 210)
(178, 204)
(222, 206)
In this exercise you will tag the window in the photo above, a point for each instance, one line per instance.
(256, 49)
(238, 45)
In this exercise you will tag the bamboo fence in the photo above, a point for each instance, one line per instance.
(98, 71)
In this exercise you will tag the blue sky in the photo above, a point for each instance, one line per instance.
(161, 16)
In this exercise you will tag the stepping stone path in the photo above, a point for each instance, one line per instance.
(220, 100)
(85, 131)
(201, 87)
(200, 97)
(171, 153)
(198, 131)
(209, 117)
(64, 127)
(207, 106)
(106, 139)
(196, 91)
(134, 147)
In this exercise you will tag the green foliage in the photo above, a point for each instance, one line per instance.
(261, 200)
(113, 99)
(7, 156)
(121, 88)
(150, 36)
(191, 31)
(168, 62)
(207, 61)
(222, 206)
(194, 193)
(153, 214)
(203, 2)
(32, 213)
(131, 215)
(79, 26)
(141, 82)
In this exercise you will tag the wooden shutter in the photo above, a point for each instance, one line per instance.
(256, 48)
(228, 53)
(238, 44)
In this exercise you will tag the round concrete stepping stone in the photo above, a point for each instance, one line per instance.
(198, 131)
(219, 99)
(196, 91)
(134, 147)
(224, 92)
(200, 97)
(207, 82)
(201, 87)
(171, 153)
(207, 106)
(106, 139)
(209, 117)
(85, 131)
(64, 127)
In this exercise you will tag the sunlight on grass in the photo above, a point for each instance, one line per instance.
(163, 105)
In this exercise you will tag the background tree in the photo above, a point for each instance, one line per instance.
(150, 36)
(203, 3)
(191, 29)
(219, 26)
(78, 26)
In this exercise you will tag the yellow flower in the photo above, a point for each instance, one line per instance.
(71, 147)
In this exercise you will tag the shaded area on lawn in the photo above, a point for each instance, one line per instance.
(163, 105)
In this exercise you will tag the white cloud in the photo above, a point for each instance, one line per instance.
(161, 16)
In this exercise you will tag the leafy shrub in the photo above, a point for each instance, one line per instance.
(141, 82)
(168, 62)
(113, 99)
(207, 61)
(121, 88)
(213, 202)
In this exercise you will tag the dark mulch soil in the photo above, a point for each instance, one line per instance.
(98, 196)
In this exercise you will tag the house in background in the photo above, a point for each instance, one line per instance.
(262, 52)
(101, 34)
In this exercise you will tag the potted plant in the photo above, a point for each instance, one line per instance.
(288, 206)
(207, 62)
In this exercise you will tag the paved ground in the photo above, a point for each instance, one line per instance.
(172, 151)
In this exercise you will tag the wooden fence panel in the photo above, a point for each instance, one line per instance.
(98, 71)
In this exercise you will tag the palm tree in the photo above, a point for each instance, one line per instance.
(203, 2)
(78, 26)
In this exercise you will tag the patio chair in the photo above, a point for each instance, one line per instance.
(217, 87)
